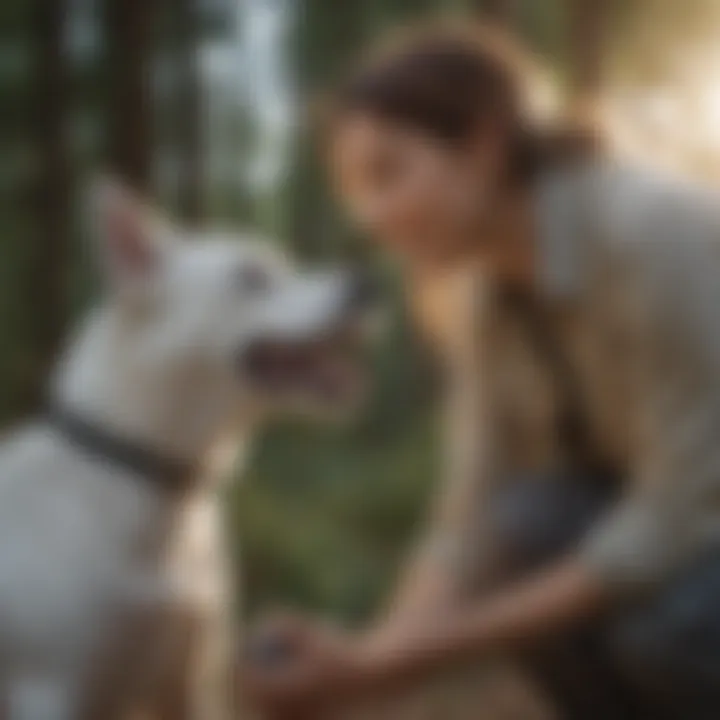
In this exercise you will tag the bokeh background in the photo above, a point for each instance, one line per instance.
(200, 104)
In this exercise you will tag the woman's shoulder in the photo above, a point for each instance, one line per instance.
(641, 202)
(658, 230)
(628, 209)
(618, 220)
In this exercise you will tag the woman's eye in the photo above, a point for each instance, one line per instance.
(253, 280)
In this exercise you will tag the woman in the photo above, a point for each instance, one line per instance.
(581, 523)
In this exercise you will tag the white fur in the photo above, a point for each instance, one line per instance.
(110, 588)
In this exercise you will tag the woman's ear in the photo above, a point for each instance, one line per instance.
(131, 239)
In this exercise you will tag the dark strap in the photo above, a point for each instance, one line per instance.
(573, 429)
(168, 473)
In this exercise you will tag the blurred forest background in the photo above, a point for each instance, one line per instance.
(199, 103)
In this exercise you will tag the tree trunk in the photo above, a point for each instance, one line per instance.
(587, 33)
(50, 257)
(325, 38)
(129, 33)
(190, 113)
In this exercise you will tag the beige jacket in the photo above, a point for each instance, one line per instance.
(629, 271)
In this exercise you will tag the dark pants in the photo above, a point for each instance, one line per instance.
(659, 658)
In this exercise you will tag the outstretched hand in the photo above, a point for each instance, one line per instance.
(295, 669)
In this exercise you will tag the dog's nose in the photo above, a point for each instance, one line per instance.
(364, 291)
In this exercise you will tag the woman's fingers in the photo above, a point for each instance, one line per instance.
(299, 665)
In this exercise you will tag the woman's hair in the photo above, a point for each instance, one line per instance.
(451, 82)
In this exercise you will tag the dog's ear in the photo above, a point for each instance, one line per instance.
(132, 239)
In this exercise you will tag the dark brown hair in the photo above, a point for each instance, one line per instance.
(449, 81)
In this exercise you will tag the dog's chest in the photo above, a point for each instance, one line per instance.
(180, 600)
(77, 556)
(193, 571)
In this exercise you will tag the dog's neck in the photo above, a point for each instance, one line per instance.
(138, 394)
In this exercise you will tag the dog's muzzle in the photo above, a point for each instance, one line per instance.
(327, 363)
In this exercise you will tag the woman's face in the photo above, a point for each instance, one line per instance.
(421, 197)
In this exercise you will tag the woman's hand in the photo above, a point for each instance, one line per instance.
(296, 669)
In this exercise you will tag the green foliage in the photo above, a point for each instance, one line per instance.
(325, 520)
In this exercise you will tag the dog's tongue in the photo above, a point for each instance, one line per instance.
(322, 368)
(333, 377)
(279, 362)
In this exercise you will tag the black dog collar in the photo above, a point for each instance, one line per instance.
(145, 463)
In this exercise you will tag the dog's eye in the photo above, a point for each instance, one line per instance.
(253, 280)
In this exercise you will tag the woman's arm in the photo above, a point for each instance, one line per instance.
(328, 669)
(552, 601)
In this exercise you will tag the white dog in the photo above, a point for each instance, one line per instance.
(113, 582)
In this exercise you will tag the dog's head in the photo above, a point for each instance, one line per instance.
(231, 311)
